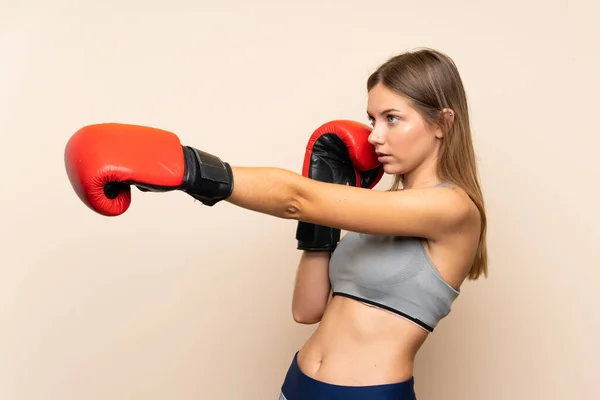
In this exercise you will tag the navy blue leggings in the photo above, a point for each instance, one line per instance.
(298, 386)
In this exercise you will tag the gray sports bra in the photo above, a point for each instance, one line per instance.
(393, 273)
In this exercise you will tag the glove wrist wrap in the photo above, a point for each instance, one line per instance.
(313, 237)
(207, 178)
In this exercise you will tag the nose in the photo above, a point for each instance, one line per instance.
(376, 137)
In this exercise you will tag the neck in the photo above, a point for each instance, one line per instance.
(419, 183)
(424, 176)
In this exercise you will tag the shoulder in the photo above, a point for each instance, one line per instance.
(438, 211)
(454, 197)
(455, 206)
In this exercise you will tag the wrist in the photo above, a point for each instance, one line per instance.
(312, 237)
(206, 177)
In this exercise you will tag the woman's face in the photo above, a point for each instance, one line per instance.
(400, 135)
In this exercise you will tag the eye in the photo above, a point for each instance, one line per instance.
(372, 121)
(392, 119)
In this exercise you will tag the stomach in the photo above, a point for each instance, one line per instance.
(357, 344)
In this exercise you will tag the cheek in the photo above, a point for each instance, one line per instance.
(404, 139)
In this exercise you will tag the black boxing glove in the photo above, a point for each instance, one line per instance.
(337, 152)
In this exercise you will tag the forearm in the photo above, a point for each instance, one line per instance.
(312, 287)
(268, 190)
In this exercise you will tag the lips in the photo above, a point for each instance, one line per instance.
(382, 157)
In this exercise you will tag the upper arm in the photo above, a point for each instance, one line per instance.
(426, 213)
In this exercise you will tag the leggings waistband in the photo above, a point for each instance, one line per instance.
(299, 386)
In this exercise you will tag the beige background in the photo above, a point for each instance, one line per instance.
(174, 300)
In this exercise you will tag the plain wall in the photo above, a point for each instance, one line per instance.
(175, 300)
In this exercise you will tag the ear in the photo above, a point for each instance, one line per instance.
(447, 117)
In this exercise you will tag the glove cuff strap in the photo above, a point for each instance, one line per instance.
(207, 178)
(313, 237)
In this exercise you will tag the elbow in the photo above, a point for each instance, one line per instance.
(293, 207)
(306, 314)
(308, 311)
(295, 204)
(296, 199)
(306, 318)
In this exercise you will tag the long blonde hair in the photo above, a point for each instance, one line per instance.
(431, 81)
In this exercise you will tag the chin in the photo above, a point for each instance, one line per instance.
(393, 169)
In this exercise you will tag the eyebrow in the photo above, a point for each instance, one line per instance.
(386, 111)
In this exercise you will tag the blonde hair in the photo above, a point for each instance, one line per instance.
(431, 81)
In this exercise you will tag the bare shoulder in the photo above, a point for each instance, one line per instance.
(449, 210)
(461, 205)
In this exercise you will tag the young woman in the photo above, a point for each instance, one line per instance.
(394, 276)
(384, 287)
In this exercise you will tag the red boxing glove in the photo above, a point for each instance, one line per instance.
(103, 161)
(337, 152)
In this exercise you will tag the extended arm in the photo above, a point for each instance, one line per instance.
(104, 160)
(285, 194)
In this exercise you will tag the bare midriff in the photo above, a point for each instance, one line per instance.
(360, 345)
